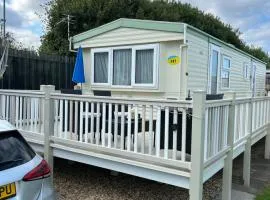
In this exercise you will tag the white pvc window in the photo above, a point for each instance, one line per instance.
(126, 66)
(122, 59)
(144, 66)
(100, 73)
(101, 67)
(225, 72)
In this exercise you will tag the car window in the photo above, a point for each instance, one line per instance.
(14, 150)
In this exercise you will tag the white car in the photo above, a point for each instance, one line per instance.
(24, 175)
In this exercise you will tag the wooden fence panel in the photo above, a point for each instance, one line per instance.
(27, 70)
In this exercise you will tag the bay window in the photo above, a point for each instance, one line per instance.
(132, 66)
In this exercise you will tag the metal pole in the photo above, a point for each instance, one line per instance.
(4, 19)
(68, 26)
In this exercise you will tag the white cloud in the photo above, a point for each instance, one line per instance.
(23, 22)
(258, 36)
(27, 9)
(28, 38)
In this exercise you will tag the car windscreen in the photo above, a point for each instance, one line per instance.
(14, 150)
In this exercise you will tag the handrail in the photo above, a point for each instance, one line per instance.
(24, 93)
(216, 103)
(120, 100)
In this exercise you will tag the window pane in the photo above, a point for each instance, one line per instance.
(225, 79)
(14, 151)
(101, 67)
(144, 66)
(214, 72)
(226, 63)
(122, 67)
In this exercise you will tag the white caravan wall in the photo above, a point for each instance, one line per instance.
(128, 36)
(198, 66)
(168, 76)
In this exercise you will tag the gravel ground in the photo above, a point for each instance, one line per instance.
(83, 182)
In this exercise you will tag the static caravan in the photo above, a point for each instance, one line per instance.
(147, 128)
(165, 60)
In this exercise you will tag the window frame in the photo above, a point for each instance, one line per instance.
(111, 66)
(133, 48)
(214, 47)
(155, 60)
(224, 69)
(100, 50)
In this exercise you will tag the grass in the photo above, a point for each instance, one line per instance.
(264, 195)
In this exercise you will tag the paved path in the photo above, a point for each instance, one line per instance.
(260, 174)
(239, 195)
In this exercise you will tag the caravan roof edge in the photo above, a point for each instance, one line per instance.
(177, 27)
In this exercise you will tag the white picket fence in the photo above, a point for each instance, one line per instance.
(111, 123)
(157, 132)
(126, 125)
(23, 109)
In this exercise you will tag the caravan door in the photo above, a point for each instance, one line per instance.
(253, 80)
(213, 72)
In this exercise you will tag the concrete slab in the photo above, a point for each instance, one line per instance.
(239, 195)
(260, 174)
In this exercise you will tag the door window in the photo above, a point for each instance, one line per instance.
(214, 71)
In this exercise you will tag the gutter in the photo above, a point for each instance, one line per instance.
(183, 66)
(70, 45)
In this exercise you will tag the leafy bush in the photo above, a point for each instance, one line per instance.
(265, 195)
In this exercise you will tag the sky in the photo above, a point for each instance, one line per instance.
(252, 17)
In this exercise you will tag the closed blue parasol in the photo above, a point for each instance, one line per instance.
(78, 73)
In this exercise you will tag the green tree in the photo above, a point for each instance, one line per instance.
(89, 14)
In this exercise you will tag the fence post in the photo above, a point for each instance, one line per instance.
(197, 146)
(247, 152)
(228, 162)
(12, 110)
(267, 143)
(267, 138)
(48, 120)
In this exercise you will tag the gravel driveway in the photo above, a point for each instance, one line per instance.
(78, 181)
